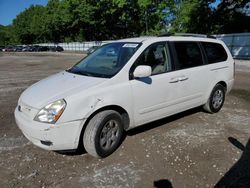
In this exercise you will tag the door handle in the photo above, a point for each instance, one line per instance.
(183, 78)
(178, 79)
(174, 80)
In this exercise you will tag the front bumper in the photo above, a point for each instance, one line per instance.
(62, 136)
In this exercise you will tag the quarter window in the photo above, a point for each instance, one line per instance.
(188, 54)
(215, 52)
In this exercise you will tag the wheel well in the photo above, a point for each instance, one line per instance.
(223, 84)
(120, 110)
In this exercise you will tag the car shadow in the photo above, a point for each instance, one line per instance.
(239, 174)
(158, 123)
(74, 152)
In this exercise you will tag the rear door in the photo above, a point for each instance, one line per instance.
(191, 71)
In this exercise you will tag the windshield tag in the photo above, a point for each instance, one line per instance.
(129, 45)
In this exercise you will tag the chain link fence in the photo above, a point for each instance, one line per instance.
(76, 46)
(238, 44)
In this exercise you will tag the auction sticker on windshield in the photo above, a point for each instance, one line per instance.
(130, 45)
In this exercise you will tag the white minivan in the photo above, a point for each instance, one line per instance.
(122, 85)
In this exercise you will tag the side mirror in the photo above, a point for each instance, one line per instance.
(142, 71)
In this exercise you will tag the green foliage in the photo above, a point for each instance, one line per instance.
(5, 36)
(199, 16)
(80, 20)
(29, 25)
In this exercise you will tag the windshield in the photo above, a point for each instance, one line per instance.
(106, 61)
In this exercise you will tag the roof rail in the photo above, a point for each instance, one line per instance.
(186, 35)
(166, 35)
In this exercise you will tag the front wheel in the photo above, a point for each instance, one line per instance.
(216, 99)
(103, 133)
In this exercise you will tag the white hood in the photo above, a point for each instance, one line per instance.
(57, 87)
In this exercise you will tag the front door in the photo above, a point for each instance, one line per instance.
(154, 97)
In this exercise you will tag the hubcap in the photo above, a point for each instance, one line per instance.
(217, 99)
(109, 134)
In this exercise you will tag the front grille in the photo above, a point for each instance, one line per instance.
(26, 110)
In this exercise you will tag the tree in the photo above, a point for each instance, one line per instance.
(71, 20)
(229, 17)
(5, 35)
(154, 13)
(201, 16)
(28, 25)
(105, 20)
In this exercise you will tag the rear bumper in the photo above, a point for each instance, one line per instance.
(63, 136)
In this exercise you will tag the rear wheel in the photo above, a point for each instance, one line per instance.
(103, 134)
(216, 99)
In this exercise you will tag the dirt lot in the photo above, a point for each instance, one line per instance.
(191, 149)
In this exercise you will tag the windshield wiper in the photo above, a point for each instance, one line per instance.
(76, 70)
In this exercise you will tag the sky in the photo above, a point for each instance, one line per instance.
(214, 5)
(9, 9)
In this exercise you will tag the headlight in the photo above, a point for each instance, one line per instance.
(52, 112)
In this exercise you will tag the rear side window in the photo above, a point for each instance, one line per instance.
(188, 54)
(215, 52)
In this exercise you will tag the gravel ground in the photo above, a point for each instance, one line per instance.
(191, 149)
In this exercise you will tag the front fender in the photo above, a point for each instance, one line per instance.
(82, 106)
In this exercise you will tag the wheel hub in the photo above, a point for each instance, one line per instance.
(109, 135)
(217, 99)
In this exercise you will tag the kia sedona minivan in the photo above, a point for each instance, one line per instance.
(122, 85)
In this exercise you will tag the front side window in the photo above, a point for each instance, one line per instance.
(215, 52)
(106, 61)
(157, 57)
(188, 54)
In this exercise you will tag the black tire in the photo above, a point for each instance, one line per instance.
(106, 125)
(216, 99)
